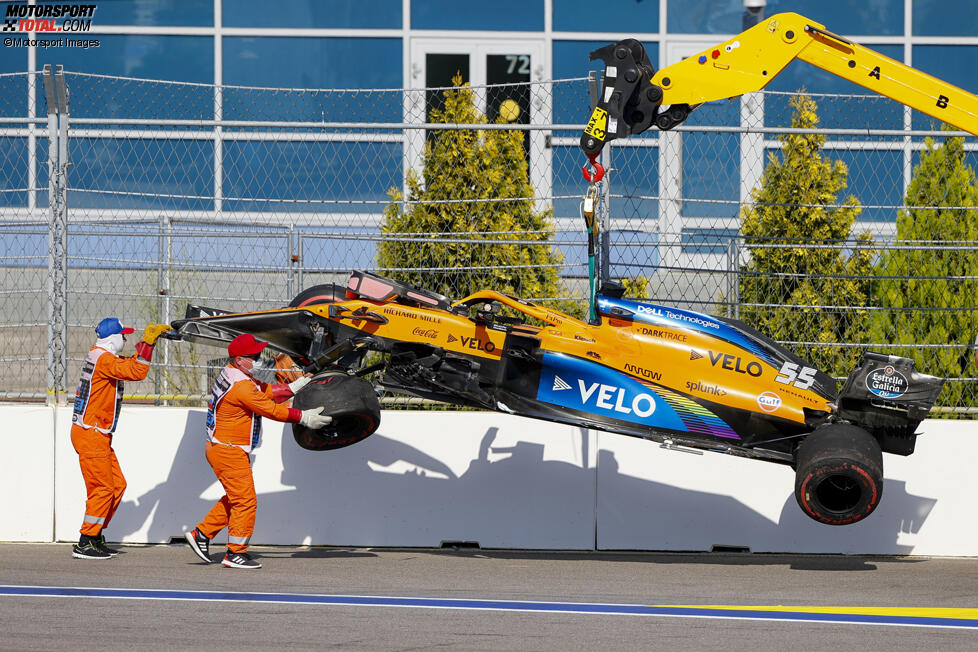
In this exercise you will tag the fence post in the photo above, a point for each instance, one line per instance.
(733, 278)
(290, 269)
(605, 219)
(162, 290)
(61, 281)
(751, 144)
(300, 261)
(603, 206)
(167, 302)
(670, 198)
(56, 94)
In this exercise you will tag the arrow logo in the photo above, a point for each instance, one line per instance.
(560, 383)
(452, 338)
(695, 355)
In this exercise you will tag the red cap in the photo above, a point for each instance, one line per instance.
(245, 344)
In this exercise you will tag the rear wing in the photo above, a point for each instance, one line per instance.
(886, 395)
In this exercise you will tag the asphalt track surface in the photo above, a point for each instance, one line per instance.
(163, 597)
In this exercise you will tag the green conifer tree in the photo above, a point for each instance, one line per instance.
(803, 283)
(927, 288)
(475, 186)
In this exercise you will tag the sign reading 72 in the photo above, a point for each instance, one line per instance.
(794, 374)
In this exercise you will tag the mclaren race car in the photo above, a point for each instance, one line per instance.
(673, 376)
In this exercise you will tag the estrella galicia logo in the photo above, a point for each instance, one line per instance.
(887, 382)
(582, 385)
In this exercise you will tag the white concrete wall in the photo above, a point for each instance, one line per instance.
(27, 438)
(500, 480)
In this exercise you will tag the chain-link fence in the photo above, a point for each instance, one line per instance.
(136, 197)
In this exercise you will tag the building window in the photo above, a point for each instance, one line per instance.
(313, 14)
(951, 63)
(173, 58)
(130, 173)
(171, 13)
(281, 62)
(525, 16)
(259, 174)
(845, 17)
(583, 16)
(945, 18)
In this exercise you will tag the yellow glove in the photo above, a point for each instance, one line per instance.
(153, 332)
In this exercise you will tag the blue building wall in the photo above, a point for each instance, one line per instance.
(352, 44)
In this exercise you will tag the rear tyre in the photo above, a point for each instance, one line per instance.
(839, 474)
(350, 400)
(326, 293)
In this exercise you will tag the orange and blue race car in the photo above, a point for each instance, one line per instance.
(680, 378)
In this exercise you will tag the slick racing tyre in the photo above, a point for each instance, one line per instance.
(326, 293)
(839, 474)
(351, 401)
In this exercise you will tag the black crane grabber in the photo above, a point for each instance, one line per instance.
(629, 101)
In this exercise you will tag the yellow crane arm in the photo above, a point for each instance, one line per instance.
(633, 100)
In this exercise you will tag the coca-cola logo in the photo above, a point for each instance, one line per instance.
(427, 333)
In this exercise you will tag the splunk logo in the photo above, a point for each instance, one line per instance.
(609, 397)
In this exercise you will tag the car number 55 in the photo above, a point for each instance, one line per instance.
(794, 374)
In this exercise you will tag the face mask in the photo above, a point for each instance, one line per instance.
(262, 370)
(112, 343)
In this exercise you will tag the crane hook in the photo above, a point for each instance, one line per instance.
(598, 170)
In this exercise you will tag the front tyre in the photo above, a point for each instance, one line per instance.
(839, 474)
(351, 401)
(326, 293)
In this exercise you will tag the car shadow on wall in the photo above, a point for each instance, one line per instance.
(634, 510)
(384, 492)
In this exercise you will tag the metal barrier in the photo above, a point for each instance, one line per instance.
(136, 197)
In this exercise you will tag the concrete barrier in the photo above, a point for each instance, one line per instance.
(426, 478)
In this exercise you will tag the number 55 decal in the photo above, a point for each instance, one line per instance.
(794, 374)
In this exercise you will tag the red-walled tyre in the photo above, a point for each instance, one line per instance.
(326, 293)
(839, 474)
(351, 401)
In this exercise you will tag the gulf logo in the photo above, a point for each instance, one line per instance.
(769, 401)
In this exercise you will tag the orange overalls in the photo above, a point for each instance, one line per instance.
(234, 412)
(98, 400)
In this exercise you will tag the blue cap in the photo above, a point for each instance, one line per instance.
(111, 326)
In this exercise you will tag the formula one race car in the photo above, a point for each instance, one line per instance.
(677, 377)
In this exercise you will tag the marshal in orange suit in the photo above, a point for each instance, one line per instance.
(234, 413)
(98, 401)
